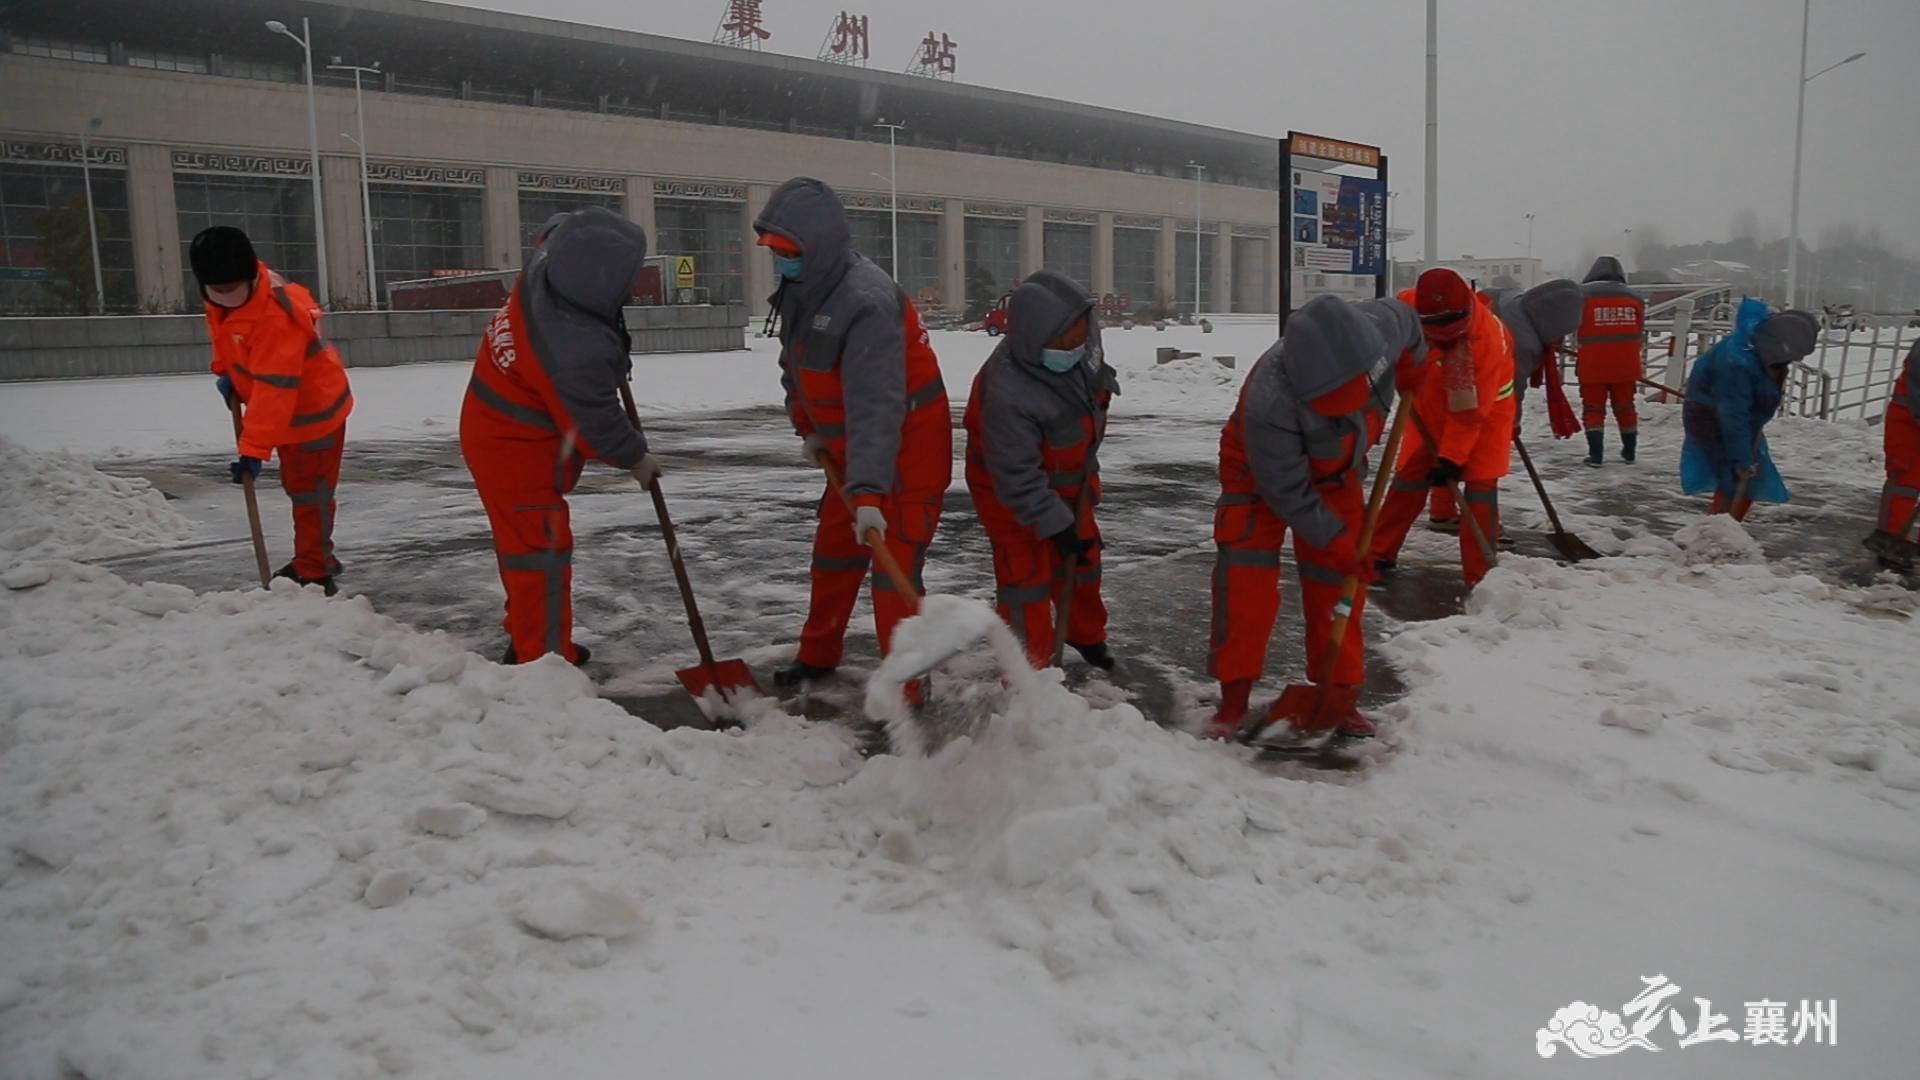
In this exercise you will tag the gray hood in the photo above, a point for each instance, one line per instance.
(1327, 344)
(1045, 304)
(1786, 337)
(591, 259)
(1553, 309)
(1607, 268)
(807, 212)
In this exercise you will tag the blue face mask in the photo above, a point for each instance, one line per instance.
(788, 268)
(1061, 361)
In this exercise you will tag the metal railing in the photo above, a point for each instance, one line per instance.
(1849, 376)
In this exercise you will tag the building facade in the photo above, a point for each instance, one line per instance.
(199, 116)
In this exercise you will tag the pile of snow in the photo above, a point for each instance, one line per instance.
(56, 505)
(266, 834)
(1717, 540)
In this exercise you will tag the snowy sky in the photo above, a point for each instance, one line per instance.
(1597, 117)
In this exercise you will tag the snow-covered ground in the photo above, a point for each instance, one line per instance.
(263, 834)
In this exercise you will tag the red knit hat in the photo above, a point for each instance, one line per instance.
(1444, 300)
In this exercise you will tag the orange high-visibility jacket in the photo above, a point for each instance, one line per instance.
(1466, 396)
(282, 367)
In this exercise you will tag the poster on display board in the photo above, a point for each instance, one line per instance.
(1336, 223)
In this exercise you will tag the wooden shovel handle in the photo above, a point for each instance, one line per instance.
(253, 505)
(874, 539)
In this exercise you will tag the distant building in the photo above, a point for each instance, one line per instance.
(481, 124)
(1480, 273)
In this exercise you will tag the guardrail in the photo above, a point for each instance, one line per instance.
(1851, 375)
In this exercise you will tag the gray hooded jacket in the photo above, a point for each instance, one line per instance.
(1536, 318)
(571, 293)
(1326, 345)
(1022, 404)
(1607, 278)
(843, 311)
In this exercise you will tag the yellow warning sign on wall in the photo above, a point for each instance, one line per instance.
(683, 271)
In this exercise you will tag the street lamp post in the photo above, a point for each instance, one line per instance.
(1199, 170)
(366, 193)
(93, 230)
(893, 192)
(1799, 132)
(313, 144)
(1432, 224)
(1530, 236)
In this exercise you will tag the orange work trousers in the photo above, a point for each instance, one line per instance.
(1030, 574)
(310, 475)
(523, 485)
(1246, 593)
(1407, 493)
(1594, 398)
(1723, 503)
(841, 563)
(1901, 497)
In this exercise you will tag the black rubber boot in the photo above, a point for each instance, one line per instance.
(1097, 655)
(1596, 448)
(326, 583)
(1385, 567)
(796, 673)
(510, 657)
(1629, 443)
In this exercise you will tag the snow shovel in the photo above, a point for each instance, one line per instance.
(883, 556)
(1467, 517)
(1570, 547)
(1662, 387)
(253, 506)
(1308, 708)
(726, 677)
(1063, 604)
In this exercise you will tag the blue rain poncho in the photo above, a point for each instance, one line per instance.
(1730, 398)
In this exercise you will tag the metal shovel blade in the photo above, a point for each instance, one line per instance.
(1571, 547)
(729, 677)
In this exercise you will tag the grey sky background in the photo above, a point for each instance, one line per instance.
(1597, 117)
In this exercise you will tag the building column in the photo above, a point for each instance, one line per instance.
(154, 219)
(502, 210)
(1103, 255)
(759, 265)
(1276, 243)
(346, 232)
(953, 255)
(1222, 268)
(639, 209)
(1163, 256)
(1033, 241)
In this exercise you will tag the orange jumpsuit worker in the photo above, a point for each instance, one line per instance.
(545, 397)
(1466, 402)
(1537, 319)
(1894, 540)
(1035, 421)
(863, 389)
(1294, 456)
(1612, 329)
(268, 352)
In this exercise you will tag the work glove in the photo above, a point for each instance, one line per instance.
(1445, 474)
(1343, 555)
(646, 470)
(244, 468)
(225, 386)
(1068, 544)
(868, 517)
(811, 448)
(1746, 473)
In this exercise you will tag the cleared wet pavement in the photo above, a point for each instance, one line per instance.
(415, 542)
